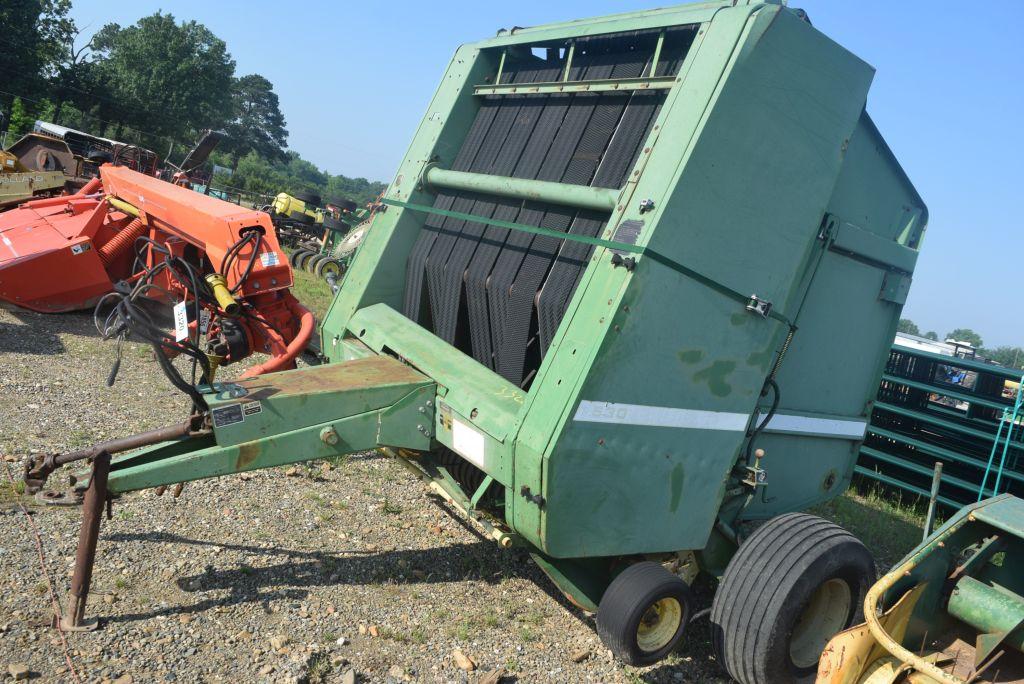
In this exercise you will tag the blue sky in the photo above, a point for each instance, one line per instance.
(355, 78)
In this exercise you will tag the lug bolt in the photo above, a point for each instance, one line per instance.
(329, 436)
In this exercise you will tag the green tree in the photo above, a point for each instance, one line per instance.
(908, 326)
(258, 124)
(21, 120)
(966, 335)
(33, 33)
(932, 335)
(1011, 357)
(164, 77)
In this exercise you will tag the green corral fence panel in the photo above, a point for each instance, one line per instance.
(937, 408)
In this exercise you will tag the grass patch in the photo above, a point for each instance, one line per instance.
(314, 293)
(887, 524)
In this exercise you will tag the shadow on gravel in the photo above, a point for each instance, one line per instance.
(300, 571)
(36, 333)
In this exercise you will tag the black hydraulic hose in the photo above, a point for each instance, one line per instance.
(769, 383)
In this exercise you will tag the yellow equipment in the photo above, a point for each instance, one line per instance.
(18, 184)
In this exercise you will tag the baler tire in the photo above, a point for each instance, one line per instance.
(297, 255)
(308, 198)
(313, 262)
(627, 601)
(785, 569)
(305, 259)
(329, 266)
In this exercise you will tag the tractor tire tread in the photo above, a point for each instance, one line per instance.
(781, 563)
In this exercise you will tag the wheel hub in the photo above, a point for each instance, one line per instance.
(824, 616)
(659, 624)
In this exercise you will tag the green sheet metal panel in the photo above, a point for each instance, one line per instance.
(741, 165)
(642, 462)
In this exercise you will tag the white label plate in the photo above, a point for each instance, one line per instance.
(180, 321)
(468, 443)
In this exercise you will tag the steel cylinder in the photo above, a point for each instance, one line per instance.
(989, 610)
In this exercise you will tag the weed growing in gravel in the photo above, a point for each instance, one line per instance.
(418, 635)
(337, 461)
(391, 509)
(534, 617)
(329, 637)
(120, 583)
(512, 665)
(526, 634)
(393, 635)
(462, 630)
(319, 668)
(41, 588)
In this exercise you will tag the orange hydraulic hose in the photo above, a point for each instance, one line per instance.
(122, 241)
(306, 324)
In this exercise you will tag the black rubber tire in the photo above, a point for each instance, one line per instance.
(624, 603)
(296, 256)
(337, 225)
(343, 204)
(305, 259)
(313, 262)
(766, 587)
(308, 198)
(301, 217)
(327, 264)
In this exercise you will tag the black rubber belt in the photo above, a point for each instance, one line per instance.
(561, 281)
(415, 302)
(522, 352)
(513, 321)
(522, 113)
(561, 138)
(493, 239)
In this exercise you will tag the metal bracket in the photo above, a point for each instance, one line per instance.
(629, 263)
(761, 307)
(531, 497)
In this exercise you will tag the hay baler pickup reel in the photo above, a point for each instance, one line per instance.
(951, 612)
(634, 287)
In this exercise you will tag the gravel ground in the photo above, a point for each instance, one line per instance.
(315, 573)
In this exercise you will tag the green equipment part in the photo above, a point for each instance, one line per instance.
(632, 286)
(951, 612)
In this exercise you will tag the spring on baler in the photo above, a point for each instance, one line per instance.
(466, 474)
(120, 243)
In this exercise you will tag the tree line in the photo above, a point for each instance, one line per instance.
(157, 83)
(1009, 356)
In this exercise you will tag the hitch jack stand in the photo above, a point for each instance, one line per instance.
(92, 514)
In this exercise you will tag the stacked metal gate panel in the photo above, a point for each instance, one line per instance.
(932, 407)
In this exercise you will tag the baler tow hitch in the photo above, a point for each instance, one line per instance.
(94, 498)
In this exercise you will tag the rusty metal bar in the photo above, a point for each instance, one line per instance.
(40, 468)
(73, 619)
(114, 446)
